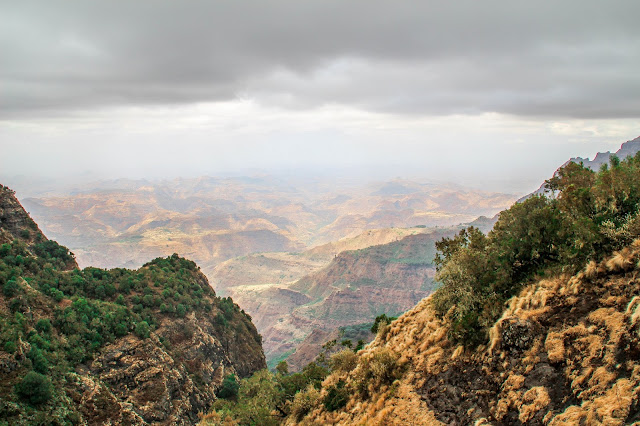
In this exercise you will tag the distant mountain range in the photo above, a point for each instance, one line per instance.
(124, 223)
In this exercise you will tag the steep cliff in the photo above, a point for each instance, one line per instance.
(118, 346)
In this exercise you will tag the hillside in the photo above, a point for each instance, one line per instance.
(96, 346)
(535, 323)
(355, 287)
(378, 271)
(282, 268)
(564, 352)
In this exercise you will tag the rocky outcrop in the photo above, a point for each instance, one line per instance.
(15, 222)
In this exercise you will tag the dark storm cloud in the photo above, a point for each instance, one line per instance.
(568, 59)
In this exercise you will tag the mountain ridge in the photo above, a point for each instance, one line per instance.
(101, 346)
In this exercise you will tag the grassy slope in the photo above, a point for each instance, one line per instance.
(564, 352)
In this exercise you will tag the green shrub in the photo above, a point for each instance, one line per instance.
(336, 397)
(143, 330)
(229, 388)
(34, 388)
(43, 325)
(304, 401)
(38, 360)
(11, 288)
(10, 346)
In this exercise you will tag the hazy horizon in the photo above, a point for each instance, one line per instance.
(493, 95)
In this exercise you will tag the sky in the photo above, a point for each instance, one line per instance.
(491, 94)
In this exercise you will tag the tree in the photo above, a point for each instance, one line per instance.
(35, 388)
(142, 329)
(229, 388)
(380, 321)
(282, 368)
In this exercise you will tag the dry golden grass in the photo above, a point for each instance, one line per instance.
(533, 401)
(621, 260)
(554, 345)
(591, 270)
(582, 347)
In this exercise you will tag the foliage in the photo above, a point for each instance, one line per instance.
(257, 398)
(142, 330)
(380, 321)
(587, 215)
(229, 388)
(35, 388)
(345, 360)
(282, 368)
(264, 398)
(67, 316)
(304, 401)
(378, 368)
(336, 397)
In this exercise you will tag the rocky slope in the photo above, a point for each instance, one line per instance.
(564, 351)
(110, 346)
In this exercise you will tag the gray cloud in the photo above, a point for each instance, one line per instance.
(575, 59)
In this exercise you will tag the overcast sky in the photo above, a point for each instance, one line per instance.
(494, 93)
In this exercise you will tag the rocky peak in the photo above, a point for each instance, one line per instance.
(14, 220)
(627, 149)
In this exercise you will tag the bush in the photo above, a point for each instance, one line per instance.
(38, 360)
(229, 388)
(10, 346)
(143, 330)
(304, 401)
(383, 365)
(345, 360)
(336, 397)
(379, 367)
(43, 325)
(10, 288)
(35, 388)
(380, 321)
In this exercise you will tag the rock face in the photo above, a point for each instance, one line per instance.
(112, 346)
(356, 287)
(629, 148)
